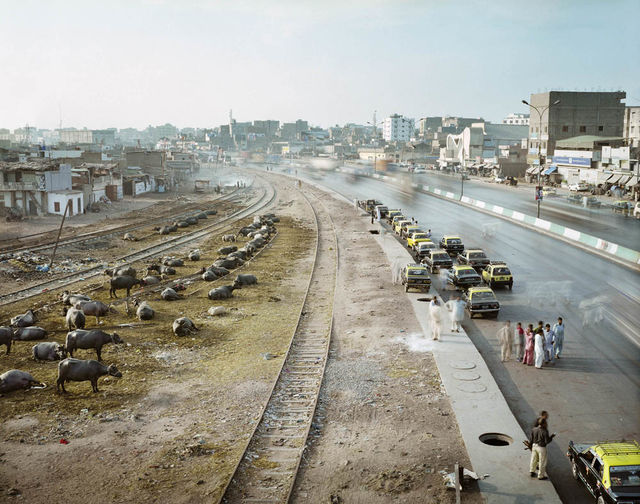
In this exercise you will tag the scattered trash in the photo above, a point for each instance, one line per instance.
(268, 356)
(217, 310)
(449, 478)
(64, 441)
(42, 268)
(13, 492)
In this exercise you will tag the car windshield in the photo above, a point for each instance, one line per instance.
(483, 296)
(454, 241)
(624, 476)
(417, 236)
(415, 272)
(466, 272)
(477, 255)
(440, 255)
(501, 271)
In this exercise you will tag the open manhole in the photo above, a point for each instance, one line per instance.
(374, 231)
(495, 439)
(425, 300)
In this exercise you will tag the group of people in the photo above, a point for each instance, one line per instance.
(455, 307)
(537, 346)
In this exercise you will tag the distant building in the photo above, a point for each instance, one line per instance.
(397, 128)
(459, 123)
(518, 119)
(632, 125)
(73, 136)
(104, 137)
(577, 114)
(269, 126)
(429, 124)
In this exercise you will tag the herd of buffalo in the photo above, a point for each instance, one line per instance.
(77, 307)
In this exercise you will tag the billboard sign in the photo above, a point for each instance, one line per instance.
(573, 161)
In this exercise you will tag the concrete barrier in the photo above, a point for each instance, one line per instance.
(607, 249)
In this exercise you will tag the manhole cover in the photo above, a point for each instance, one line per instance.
(462, 365)
(495, 439)
(471, 387)
(466, 375)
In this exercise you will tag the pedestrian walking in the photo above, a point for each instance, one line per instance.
(539, 440)
(558, 331)
(548, 344)
(372, 216)
(429, 234)
(539, 349)
(435, 312)
(518, 340)
(456, 310)
(528, 346)
(504, 337)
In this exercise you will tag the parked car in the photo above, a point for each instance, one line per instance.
(400, 224)
(579, 187)
(381, 211)
(610, 471)
(415, 276)
(481, 301)
(463, 277)
(499, 179)
(473, 257)
(416, 238)
(407, 231)
(436, 259)
(622, 206)
(395, 217)
(452, 244)
(417, 171)
(421, 250)
(576, 199)
(497, 273)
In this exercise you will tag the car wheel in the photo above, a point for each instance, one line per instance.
(574, 470)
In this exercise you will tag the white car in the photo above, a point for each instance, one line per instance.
(419, 170)
(579, 187)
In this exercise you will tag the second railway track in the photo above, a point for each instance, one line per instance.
(267, 470)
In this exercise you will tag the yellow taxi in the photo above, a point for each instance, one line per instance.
(481, 301)
(409, 230)
(415, 276)
(497, 273)
(610, 470)
(397, 227)
(452, 244)
(416, 238)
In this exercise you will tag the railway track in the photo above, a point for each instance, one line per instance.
(183, 210)
(267, 197)
(267, 469)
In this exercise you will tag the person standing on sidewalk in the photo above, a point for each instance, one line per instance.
(435, 314)
(528, 347)
(539, 440)
(518, 337)
(548, 344)
(504, 337)
(558, 330)
(538, 349)
(456, 309)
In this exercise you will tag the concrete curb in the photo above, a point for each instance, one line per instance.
(611, 251)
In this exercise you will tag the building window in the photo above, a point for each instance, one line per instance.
(583, 129)
(565, 129)
(56, 206)
(600, 128)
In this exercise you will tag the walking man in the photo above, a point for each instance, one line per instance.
(539, 440)
(558, 330)
(518, 337)
(435, 312)
(456, 309)
(504, 337)
(548, 343)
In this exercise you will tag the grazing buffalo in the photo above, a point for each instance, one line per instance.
(71, 299)
(85, 340)
(6, 337)
(75, 318)
(121, 271)
(83, 370)
(95, 309)
(122, 282)
(229, 238)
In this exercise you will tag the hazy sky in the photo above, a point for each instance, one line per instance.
(138, 62)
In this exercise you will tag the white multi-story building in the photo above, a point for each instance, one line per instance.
(397, 128)
(519, 119)
(632, 125)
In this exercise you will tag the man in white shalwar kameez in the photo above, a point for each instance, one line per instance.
(435, 313)
(456, 309)
(504, 338)
(538, 349)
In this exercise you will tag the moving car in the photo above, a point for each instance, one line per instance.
(435, 259)
(415, 276)
(622, 206)
(421, 250)
(419, 170)
(548, 191)
(452, 244)
(481, 301)
(463, 277)
(610, 470)
(473, 257)
(497, 273)
(399, 224)
(579, 187)
(417, 238)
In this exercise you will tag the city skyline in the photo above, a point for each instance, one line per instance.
(188, 65)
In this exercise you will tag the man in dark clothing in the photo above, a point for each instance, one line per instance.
(539, 439)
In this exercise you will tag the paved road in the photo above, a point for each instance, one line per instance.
(592, 393)
(603, 222)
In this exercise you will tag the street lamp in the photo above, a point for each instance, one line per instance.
(375, 152)
(540, 114)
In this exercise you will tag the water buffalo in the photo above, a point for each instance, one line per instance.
(122, 282)
(24, 320)
(75, 318)
(17, 380)
(241, 254)
(85, 340)
(209, 276)
(153, 279)
(95, 309)
(184, 326)
(83, 370)
(172, 261)
(223, 292)
(227, 250)
(121, 271)
(167, 270)
(181, 224)
(191, 220)
(163, 230)
(6, 337)
(29, 333)
(144, 311)
(194, 255)
(242, 280)
(71, 299)
(169, 294)
(229, 238)
(129, 237)
(49, 351)
(211, 212)
(201, 215)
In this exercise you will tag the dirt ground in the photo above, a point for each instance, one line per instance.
(173, 427)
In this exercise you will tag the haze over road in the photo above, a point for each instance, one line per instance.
(592, 392)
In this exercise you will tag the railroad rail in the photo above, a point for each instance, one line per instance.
(267, 470)
(184, 210)
(267, 197)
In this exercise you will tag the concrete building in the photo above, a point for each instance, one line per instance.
(577, 114)
(397, 128)
(429, 124)
(457, 124)
(518, 119)
(73, 136)
(632, 125)
(269, 127)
